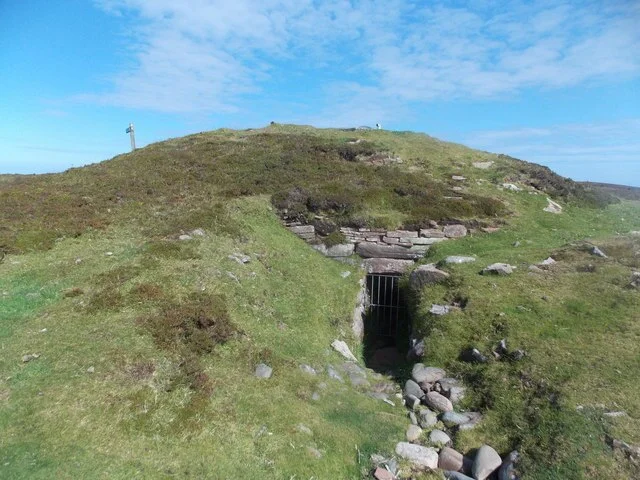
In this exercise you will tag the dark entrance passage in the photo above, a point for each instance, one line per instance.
(386, 324)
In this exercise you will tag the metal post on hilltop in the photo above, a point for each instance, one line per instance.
(132, 134)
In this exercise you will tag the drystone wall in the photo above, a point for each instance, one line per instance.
(384, 251)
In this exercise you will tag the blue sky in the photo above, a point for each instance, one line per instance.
(553, 82)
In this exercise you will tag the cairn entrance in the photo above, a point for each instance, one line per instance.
(386, 325)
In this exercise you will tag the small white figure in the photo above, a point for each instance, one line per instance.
(378, 126)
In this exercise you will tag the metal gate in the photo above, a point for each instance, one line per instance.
(386, 315)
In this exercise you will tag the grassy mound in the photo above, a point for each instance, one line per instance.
(147, 343)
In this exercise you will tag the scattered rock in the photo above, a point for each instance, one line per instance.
(474, 420)
(630, 450)
(418, 455)
(314, 452)
(439, 309)
(412, 402)
(91, 369)
(422, 374)
(345, 274)
(598, 253)
(438, 402)
(427, 418)
(439, 438)
(426, 275)
(508, 468)
(452, 419)
(512, 187)
(457, 259)
(459, 178)
(449, 459)
(485, 463)
(548, 261)
(303, 429)
(482, 165)
(343, 349)
(635, 280)
(412, 418)
(615, 414)
(184, 237)
(240, 258)
(416, 352)
(456, 394)
(412, 388)
(455, 231)
(498, 269)
(413, 433)
(357, 375)
(552, 207)
(315, 396)
(263, 371)
(308, 369)
(30, 356)
(333, 373)
(198, 232)
(109, 254)
(383, 474)
(473, 355)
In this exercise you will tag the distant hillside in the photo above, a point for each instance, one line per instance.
(622, 191)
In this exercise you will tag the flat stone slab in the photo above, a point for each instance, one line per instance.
(372, 250)
(343, 349)
(303, 229)
(426, 275)
(455, 231)
(418, 455)
(498, 269)
(387, 265)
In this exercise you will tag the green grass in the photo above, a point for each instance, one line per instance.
(146, 411)
(173, 329)
(580, 332)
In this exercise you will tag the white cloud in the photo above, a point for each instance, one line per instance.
(207, 55)
(583, 151)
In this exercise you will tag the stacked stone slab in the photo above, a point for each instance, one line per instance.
(378, 243)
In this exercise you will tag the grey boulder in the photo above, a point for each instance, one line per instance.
(455, 231)
(427, 418)
(418, 455)
(438, 402)
(508, 468)
(412, 388)
(439, 438)
(413, 433)
(485, 463)
(263, 371)
(426, 275)
(449, 459)
(422, 374)
(498, 269)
